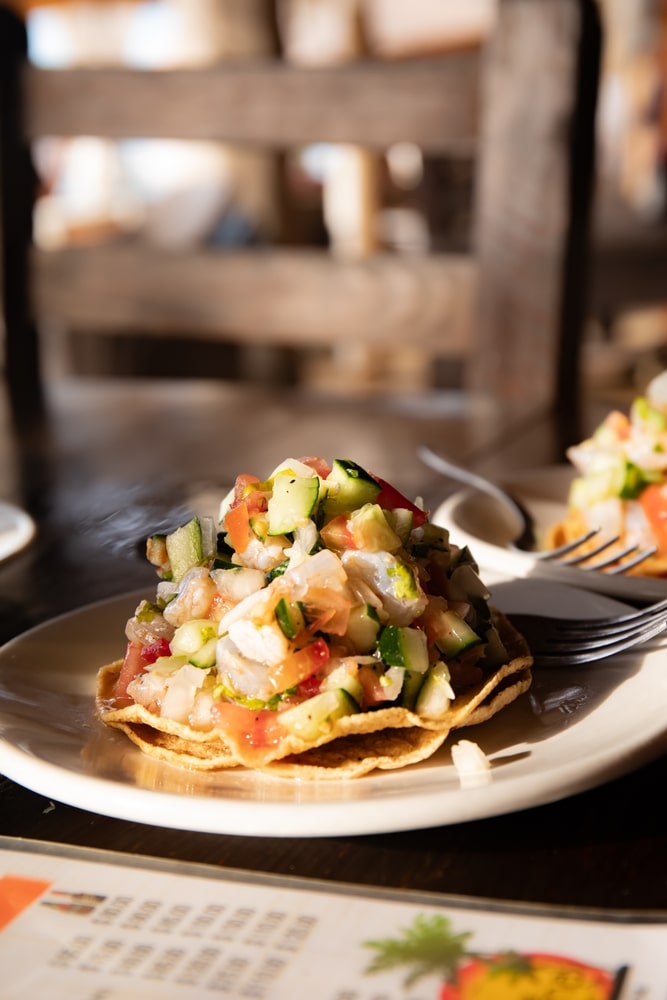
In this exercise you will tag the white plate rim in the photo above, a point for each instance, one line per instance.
(424, 796)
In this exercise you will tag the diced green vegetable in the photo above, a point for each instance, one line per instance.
(314, 717)
(495, 653)
(464, 584)
(205, 657)
(349, 487)
(196, 640)
(456, 636)
(435, 694)
(642, 412)
(403, 646)
(290, 617)
(344, 679)
(185, 548)
(372, 531)
(362, 628)
(292, 502)
(612, 476)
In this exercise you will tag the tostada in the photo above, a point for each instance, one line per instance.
(321, 628)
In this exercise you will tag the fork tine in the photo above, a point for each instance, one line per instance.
(627, 564)
(603, 636)
(561, 550)
(584, 625)
(591, 553)
(576, 657)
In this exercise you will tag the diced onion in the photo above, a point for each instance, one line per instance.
(471, 763)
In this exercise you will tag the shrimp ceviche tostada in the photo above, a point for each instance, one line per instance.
(324, 627)
(620, 487)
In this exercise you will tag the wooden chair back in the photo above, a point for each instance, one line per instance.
(512, 308)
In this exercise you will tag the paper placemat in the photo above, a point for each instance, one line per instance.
(88, 925)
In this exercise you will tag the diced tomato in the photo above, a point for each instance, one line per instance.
(389, 498)
(253, 735)
(374, 692)
(301, 664)
(336, 534)
(133, 665)
(320, 466)
(432, 620)
(619, 423)
(309, 687)
(237, 526)
(242, 486)
(653, 500)
(153, 650)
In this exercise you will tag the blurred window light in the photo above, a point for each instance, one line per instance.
(316, 160)
(146, 35)
(155, 36)
(406, 165)
(50, 41)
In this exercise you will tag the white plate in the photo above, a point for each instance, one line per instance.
(574, 730)
(482, 523)
(16, 529)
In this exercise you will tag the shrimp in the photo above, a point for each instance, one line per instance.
(193, 599)
(262, 555)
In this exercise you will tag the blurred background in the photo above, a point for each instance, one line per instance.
(353, 201)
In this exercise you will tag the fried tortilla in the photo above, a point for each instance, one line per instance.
(354, 745)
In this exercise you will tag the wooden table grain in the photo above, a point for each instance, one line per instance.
(111, 461)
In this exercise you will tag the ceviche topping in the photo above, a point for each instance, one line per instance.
(321, 591)
(621, 482)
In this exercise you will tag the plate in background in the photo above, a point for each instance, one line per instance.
(16, 529)
(486, 527)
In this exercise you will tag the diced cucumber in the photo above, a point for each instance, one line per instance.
(436, 694)
(196, 641)
(313, 717)
(464, 584)
(464, 557)
(371, 530)
(190, 637)
(362, 628)
(456, 636)
(403, 646)
(435, 537)
(344, 679)
(495, 653)
(412, 682)
(292, 502)
(205, 657)
(644, 413)
(349, 487)
(185, 548)
(611, 477)
(290, 617)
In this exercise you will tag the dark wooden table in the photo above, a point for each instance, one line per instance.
(112, 461)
